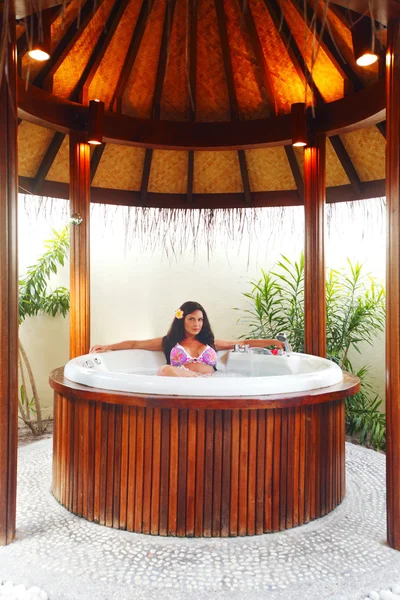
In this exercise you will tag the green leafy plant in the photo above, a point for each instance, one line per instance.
(355, 313)
(35, 298)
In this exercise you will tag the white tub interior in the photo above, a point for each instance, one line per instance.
(238, 374)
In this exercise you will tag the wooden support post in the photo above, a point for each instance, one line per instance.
(393, 283)
(80, 255)
(8, 280)
(314, 274)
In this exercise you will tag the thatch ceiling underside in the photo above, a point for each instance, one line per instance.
(264, 82)
(121, 167)
(207, 61)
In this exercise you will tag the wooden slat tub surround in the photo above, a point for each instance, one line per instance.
(199, 472)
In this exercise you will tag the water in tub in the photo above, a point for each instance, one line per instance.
(235, 364)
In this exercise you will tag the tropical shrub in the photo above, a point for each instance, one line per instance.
(35, 298)
(355, 313)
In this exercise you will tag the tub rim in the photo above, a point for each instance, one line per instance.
(76, 391)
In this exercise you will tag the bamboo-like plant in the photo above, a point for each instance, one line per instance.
(35, 298)
(355, 313)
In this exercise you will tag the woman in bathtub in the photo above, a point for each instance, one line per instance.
(189, 346)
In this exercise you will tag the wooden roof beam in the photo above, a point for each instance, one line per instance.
(190, 176)
(302, 68)
(192, 57)
(294, 51)
(80, 92)
(361, 109)
(162, 61)
(226, 57)
(341, 193)
(137, 35)
(259, 53)
(192, 90)
(230, 82)
(328, 44)
(74, 32)
(95, 160)
(294, 167)
(47, 161)
(146, 176)
(382, 128)
(347, 164)
(85, 78)
(159, 84)
(244, 171)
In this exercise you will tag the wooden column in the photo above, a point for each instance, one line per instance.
(8, 282)
(80, 250)
(393, 282)
(314, 275)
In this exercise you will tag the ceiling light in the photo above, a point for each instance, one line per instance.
(39, 54)
(363, 36)
(299, 125)
(41, 42)
(95, 122)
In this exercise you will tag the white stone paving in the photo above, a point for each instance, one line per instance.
(343, 556)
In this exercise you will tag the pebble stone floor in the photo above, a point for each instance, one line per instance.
(343, 556)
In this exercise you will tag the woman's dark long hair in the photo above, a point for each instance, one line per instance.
(176, 332)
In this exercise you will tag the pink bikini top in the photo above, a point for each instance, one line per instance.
(179, 356)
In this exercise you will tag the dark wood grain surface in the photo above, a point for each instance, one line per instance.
(224, 468)
(8, 286)
(393, 284)
(79, 245)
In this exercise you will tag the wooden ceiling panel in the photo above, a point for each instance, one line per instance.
(217, 173)
(121, 168)
(33, 142)
(138, 97)
(30, 67)
(168, 172)
(287, 85)
(59, 170)
(326, 77)
(212, 101)
(67, 75)
(269, 170)
(175, 102)
(335, 173)
(366, 149)
(250, 92)
(106, 77)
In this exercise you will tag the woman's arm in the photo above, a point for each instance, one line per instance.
(228, 345)
(153, 344)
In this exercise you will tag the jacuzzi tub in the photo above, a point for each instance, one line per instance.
(238, 374)
(236, 453)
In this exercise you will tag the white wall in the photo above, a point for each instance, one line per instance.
(136, 289)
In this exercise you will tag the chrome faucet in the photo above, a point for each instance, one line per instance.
(282, 338)
(238, 348)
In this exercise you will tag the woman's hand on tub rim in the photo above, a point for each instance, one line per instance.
(99, 348)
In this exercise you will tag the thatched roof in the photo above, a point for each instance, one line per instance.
(200, 61)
